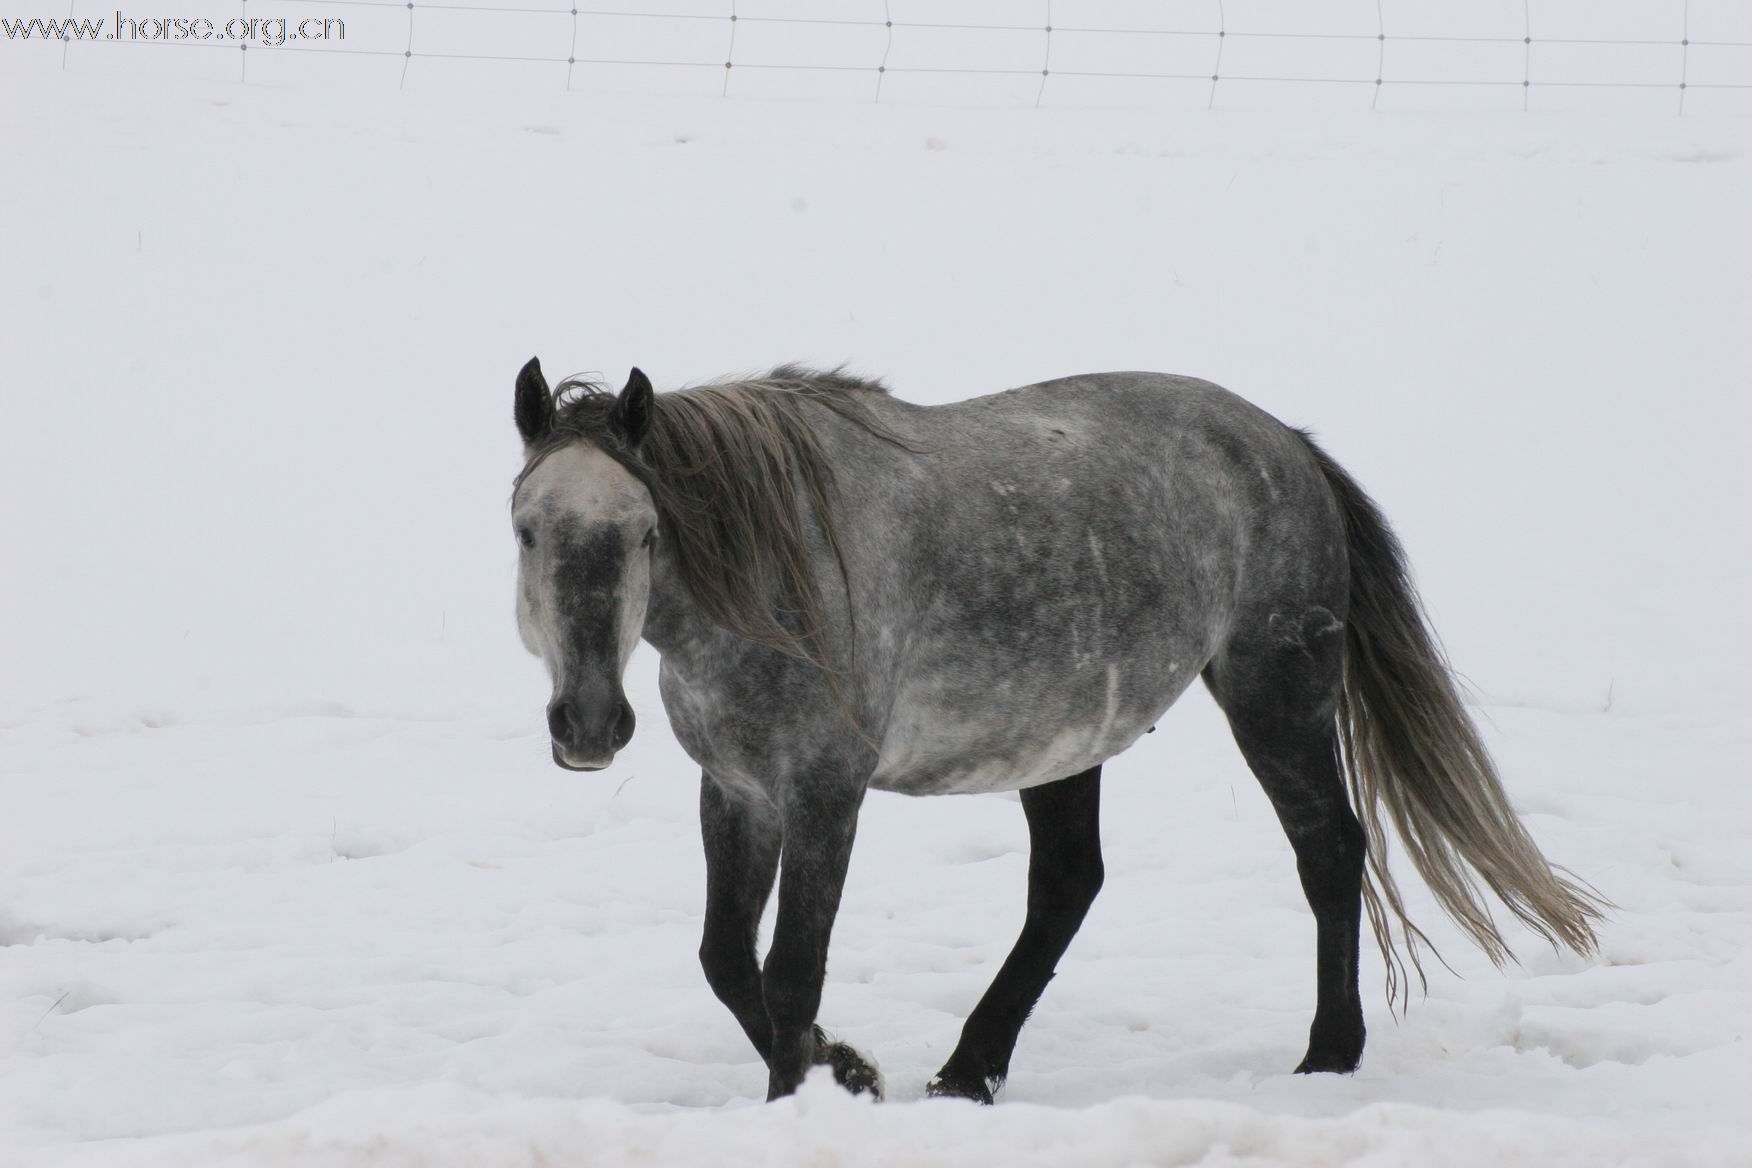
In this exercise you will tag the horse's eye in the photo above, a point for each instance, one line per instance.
(650, 538)
(526, 537)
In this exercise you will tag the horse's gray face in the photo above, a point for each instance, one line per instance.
(586, 530)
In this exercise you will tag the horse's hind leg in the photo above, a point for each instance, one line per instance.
(1280, 691)
(1064, 874)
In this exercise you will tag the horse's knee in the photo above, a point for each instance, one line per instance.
(727, 967)
(711, 964)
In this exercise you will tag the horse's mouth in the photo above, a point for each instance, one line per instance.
(560, 761)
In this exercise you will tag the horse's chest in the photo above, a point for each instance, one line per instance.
(753, 729)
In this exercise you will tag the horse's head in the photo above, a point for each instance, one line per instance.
(586, 529)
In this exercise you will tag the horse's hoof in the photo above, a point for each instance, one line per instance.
(853, 1071)
(1317, 1062)
(948, 1085)
(1333, 1048)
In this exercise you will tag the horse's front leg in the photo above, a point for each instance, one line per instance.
(741, 837)
(819, 825)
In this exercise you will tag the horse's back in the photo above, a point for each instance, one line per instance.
(1150, 427)
(1048, 568)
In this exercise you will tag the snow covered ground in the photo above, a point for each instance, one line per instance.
(286, 875)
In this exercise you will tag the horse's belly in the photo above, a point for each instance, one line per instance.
(974, 771)
(940, 747)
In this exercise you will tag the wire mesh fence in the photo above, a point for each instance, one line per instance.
(1673, 56)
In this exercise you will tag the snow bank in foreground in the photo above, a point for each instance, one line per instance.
(441, 1127)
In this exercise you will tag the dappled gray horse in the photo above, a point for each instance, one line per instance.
(849, 591)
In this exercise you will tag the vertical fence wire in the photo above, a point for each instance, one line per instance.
(729, 51)
(1684, 51)
(1217, 65)
(407, 53)
(1380, 54)
(887, 46)
(572, 53)
(1526, 52)
(1046, 60)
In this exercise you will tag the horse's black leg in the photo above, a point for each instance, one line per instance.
(1064, 874)
(1307, 792)
(818, 833)
(1280, 703)
(742, 858)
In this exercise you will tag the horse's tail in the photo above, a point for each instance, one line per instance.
(1407, 747)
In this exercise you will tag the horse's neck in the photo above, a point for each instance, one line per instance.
(674, 624)
(679, 629)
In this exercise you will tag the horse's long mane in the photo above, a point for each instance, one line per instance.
(737, 471)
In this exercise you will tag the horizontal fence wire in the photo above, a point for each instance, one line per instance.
(573, 51)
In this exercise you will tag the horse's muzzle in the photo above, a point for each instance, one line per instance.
(588, 739)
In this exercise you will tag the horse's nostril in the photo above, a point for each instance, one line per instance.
(623, 725)
(560, 721)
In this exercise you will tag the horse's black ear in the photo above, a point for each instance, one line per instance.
(632, 410)
(534, 408)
